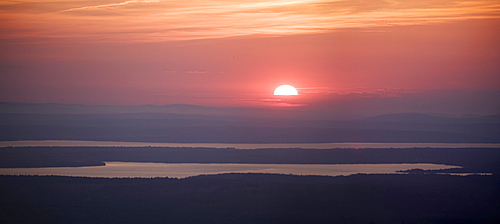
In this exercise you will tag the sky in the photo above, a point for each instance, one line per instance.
(363, 57)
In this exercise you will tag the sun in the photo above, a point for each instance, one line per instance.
(286, 90)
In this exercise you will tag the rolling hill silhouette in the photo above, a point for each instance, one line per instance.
(188, 123)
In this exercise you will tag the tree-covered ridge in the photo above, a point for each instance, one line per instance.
(251, 198)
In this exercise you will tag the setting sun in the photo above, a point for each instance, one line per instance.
(285, 90)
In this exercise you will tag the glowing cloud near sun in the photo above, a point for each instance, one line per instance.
(285, 90)
(192, 20)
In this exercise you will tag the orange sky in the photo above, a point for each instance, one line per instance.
(234, 53)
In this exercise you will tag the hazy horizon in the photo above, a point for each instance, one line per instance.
(191, 109)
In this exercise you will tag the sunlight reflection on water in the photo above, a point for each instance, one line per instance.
(181, 170)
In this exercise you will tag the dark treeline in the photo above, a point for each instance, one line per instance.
(251, 198)
(472, 159)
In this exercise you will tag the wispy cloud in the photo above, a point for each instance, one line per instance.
(108, 5)
(155, 20)
(192, 72)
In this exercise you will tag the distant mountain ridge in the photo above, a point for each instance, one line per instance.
(426, 118)
(190, 124)
(54, 108)
(50, 108)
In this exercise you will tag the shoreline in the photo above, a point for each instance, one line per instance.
(345, 145)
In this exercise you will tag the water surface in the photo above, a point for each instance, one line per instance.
(181, 170)
(247, 146)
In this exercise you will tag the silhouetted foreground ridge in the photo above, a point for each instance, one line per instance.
(251, 198)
